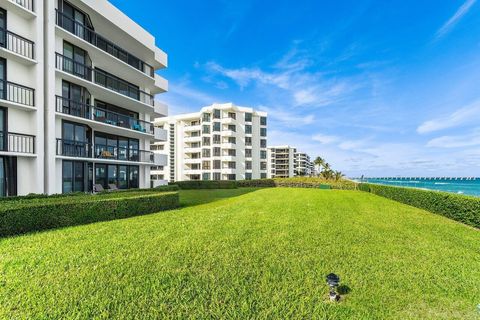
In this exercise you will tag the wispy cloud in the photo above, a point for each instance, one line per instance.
(324, 139)
(461, 12)
(286, 118)
(464, 115)
(459, 141)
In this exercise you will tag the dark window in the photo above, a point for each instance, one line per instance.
(248, 129)
(263, 154)
(216, 114)
(206, 129)
(206, 176)
(124, 177)
(73, 176)
(3, 27)
(248, 117)
(248, 176)
(3, 79)
(263, 175)
(263, 121)
(75, 140)
(216, 126)
(216, 176)
(263, 143)
(216, 139)
(263, 132)
(8, 176)
(216, 152)
(248, 153)
(248, 141)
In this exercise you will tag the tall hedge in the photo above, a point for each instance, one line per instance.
(42, 215)
(461, 208)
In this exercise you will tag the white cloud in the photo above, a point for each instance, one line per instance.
(324, 139)
(459, 141)
(461, 12)
(465, 115)
(286, 118)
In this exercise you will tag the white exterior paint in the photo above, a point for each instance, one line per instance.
(190, 146)
(286, 162)
(43, 71)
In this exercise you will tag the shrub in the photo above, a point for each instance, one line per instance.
(200, 184)
(256, 183)
(461, 208)
(28, 216)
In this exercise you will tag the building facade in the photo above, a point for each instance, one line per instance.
(76, 97)
(287, 162)
(220, 142)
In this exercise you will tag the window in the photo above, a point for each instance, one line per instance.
(263, 132)
(206, 141)
(206, 165)
(206, 129)
(248, 153)
(216, 126)
(232, 127)
(216, 152)
(216, 176)
(263, 121)
(232, 140)
(217, 164)
(231, 152)
(75, 100)
(76, 61)
(116, 148)
(232, 115)
(263, 154)
(206, 176)
(75, 140)
(231, 177)
(263, 166)
(248, 141)
(206, 153)
(206, 117)
(3, 129)
(216, 139)
(3, 78)
(216, 114)
(248, 117)
(248, 129)
(232, 165)
(263, 175)
(248, 165)
(248, 176)
(8, 176)
(263, 143)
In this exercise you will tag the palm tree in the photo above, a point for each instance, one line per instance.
(327, 174)
(338, 175)
(320, 162)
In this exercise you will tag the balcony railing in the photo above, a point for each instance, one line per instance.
(102, 78)
(17, 44)
(17, 93)
(100, 42)
(79, 149)
(16, 142)
(27, 4)
(86, 111)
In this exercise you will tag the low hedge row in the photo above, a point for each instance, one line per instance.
(48, 215)
(200, 184)
(461, 208)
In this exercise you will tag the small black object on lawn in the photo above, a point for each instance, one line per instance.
(333, 281)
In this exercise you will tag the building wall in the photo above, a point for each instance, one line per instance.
(40, 170)
(187, 149)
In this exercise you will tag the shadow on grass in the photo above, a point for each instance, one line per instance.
(191, 198)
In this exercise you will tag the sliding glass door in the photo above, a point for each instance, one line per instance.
(3, 129)
(3, 176)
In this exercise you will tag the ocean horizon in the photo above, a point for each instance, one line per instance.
(459, 185)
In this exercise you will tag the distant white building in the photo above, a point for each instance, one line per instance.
(286, 162)
(220, 142)
(77, 87)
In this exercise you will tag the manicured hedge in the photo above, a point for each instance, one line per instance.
(461, 208)
(200, 184)
(30, 216)
(256, 183)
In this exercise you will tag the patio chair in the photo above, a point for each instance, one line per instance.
(98, 188)
(112, 187)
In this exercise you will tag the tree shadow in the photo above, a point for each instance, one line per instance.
(190, 198)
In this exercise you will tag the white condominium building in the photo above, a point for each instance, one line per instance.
(77, 100)
(303, 165)
(286, 162)
(281, 162)
(220, 142)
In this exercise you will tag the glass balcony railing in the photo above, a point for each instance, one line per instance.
(102, 78)
(80, 149)
(17, 142)
(86, 111)
(102, 43)
(17, 44)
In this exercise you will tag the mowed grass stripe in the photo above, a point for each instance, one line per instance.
(247, 253)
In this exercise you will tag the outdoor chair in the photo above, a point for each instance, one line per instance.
(112, 187)
(98, 188)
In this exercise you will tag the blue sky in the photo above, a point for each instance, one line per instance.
(375, 87)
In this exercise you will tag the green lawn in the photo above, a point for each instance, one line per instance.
(247, 254)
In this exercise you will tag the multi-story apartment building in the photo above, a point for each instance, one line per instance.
(281, 162)
(303, 165)
(220, 142)
(77, 100)
(286, 162)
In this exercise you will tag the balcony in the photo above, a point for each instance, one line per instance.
(190, 128)
(17, 45)
(86, 111)
(17, 143)
(16, 95)
(24, 8)
(102, 43)
(102, 79)
(79, 149)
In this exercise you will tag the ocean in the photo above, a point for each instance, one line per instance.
(466, 186)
